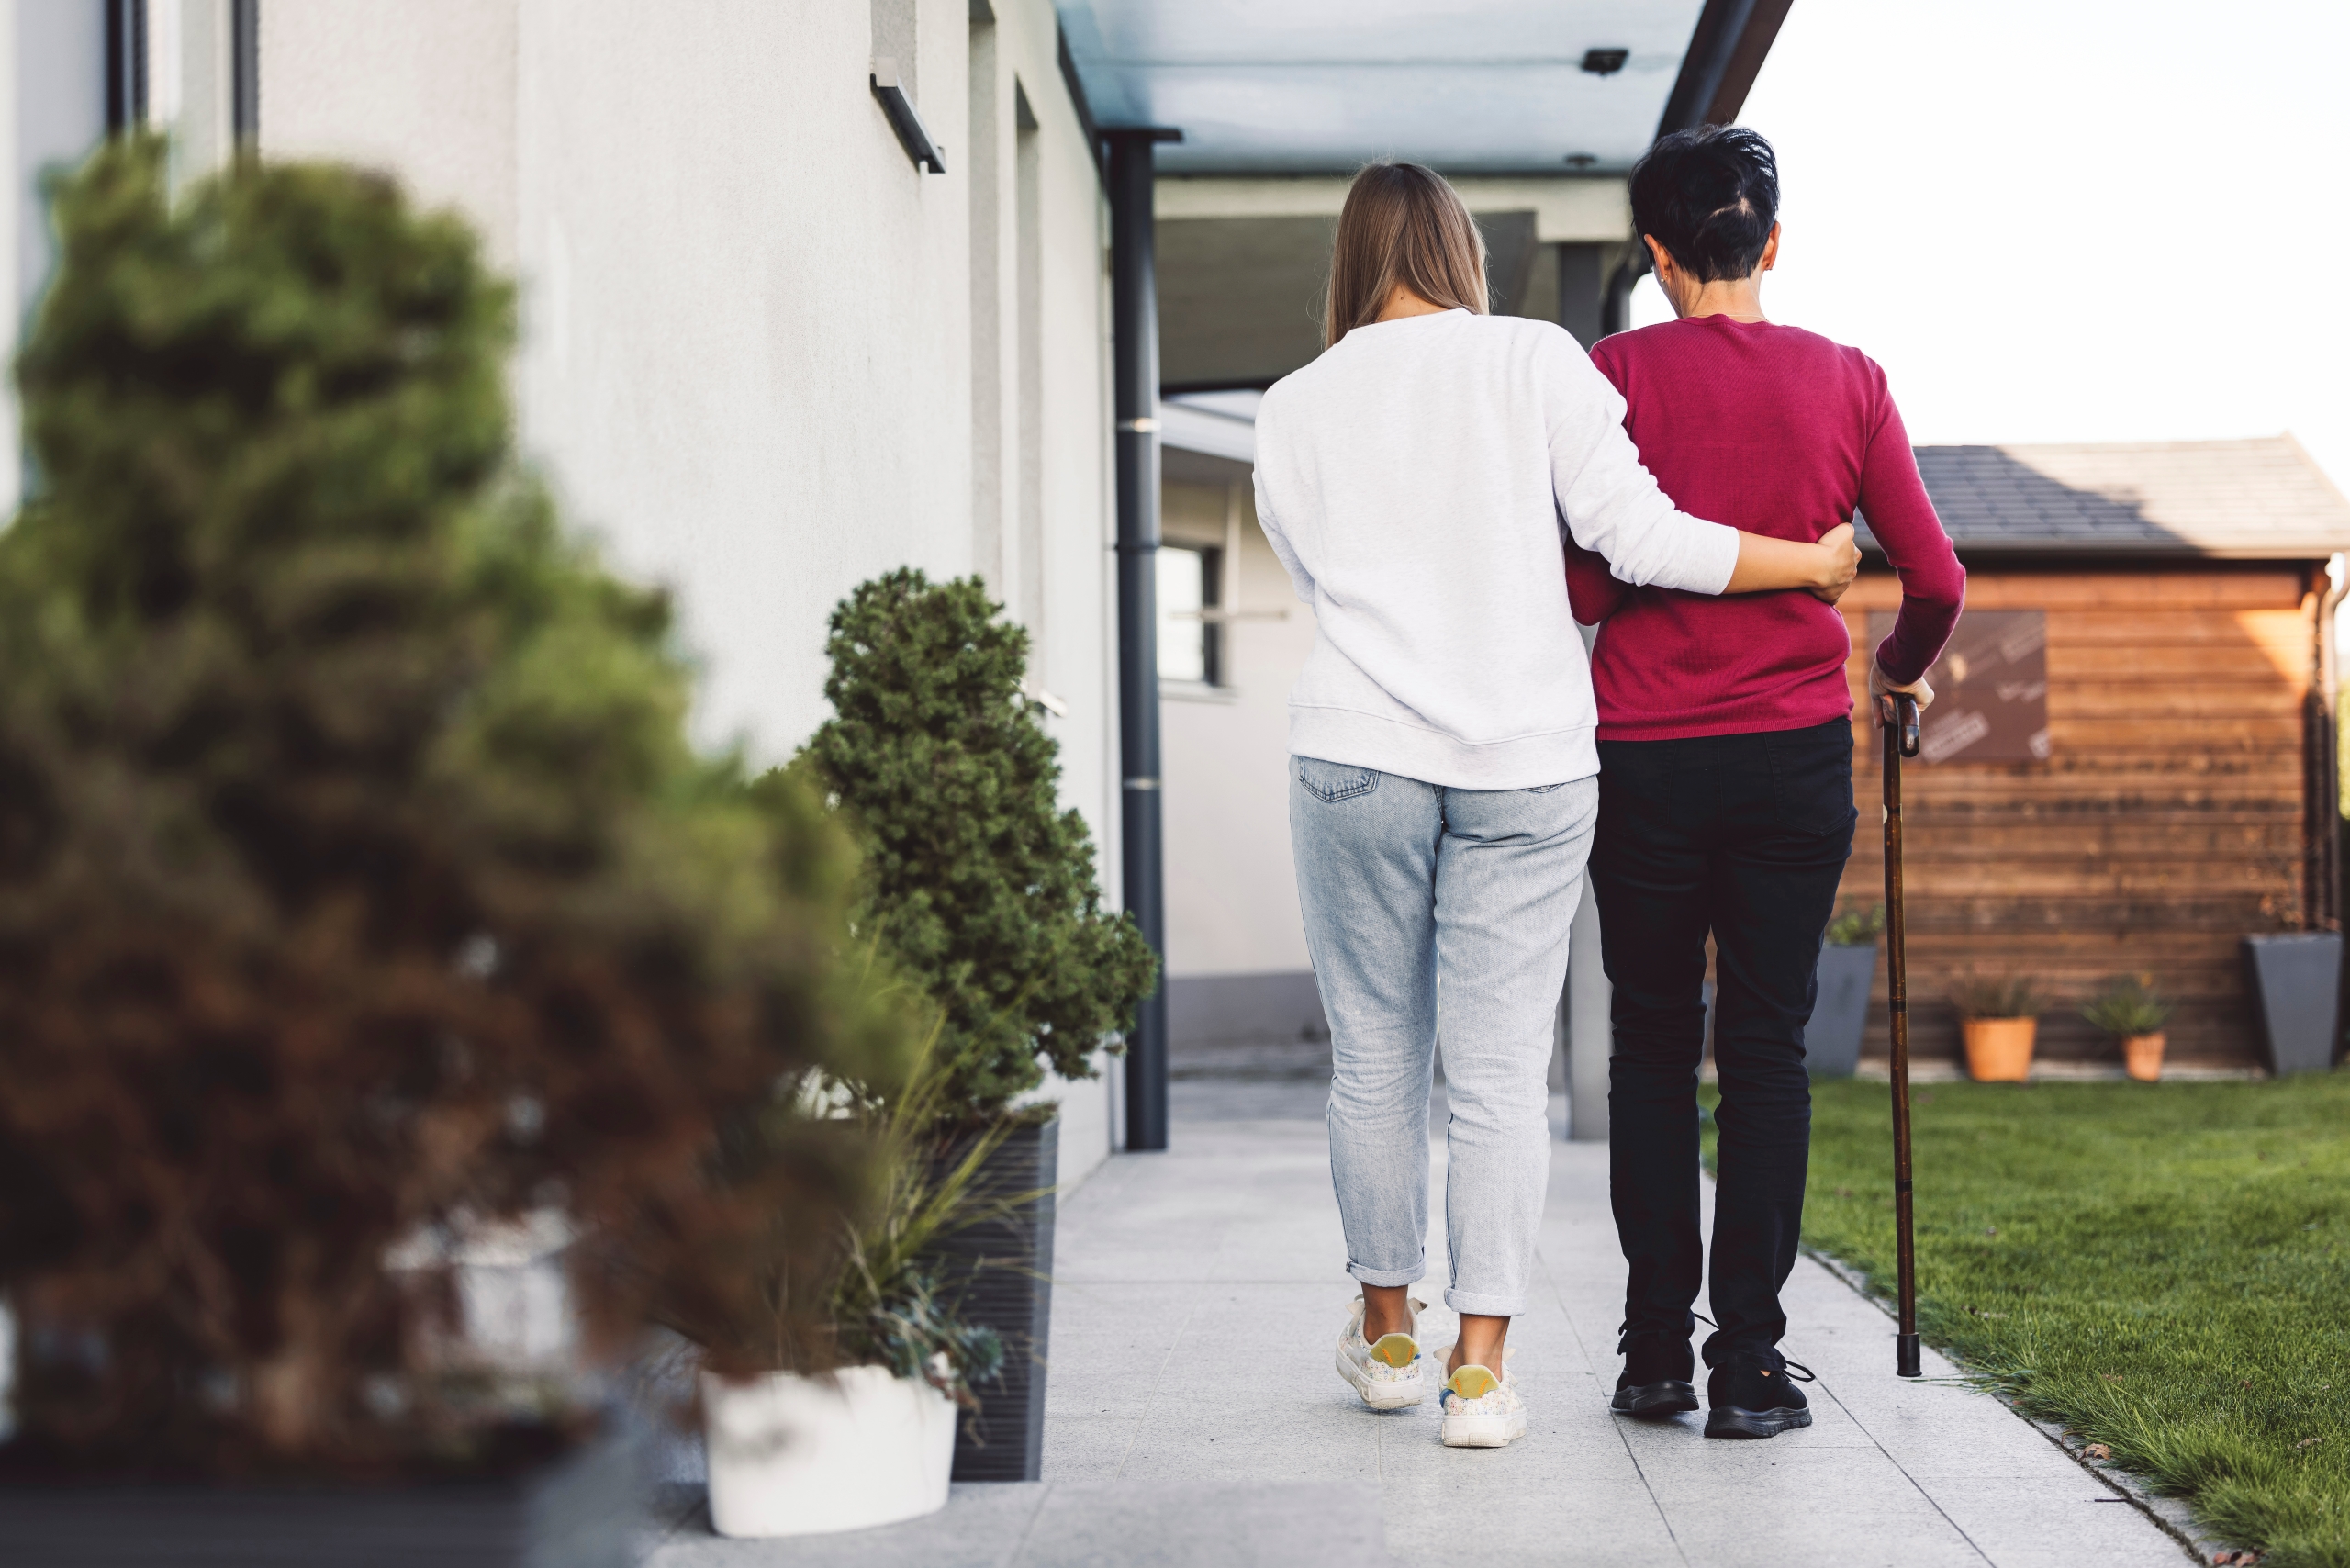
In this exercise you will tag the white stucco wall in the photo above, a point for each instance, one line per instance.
(747, 354)
(53, 57)
(1231, 883)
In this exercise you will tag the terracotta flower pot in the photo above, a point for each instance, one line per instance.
(2143, 1055)
(1998, 1050)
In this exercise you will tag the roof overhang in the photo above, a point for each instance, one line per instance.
(1477, 86)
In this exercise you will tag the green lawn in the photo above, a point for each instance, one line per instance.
(2164, 1269)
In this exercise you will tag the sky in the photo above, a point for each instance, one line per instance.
(2070, 219)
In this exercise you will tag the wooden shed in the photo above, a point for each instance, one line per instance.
(2131, 766)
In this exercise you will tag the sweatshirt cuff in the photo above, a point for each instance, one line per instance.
(1713, 559)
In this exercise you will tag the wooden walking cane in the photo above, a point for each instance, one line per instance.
(1899, 719)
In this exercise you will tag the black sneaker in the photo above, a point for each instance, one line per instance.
(1754, 1395)
(1657, 1369)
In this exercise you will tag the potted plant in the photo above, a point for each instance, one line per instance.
(1840, 1014)
(2295, 978)
(360, 895)
(982, 891)
(854, 1426)
(1999, 1015)
(2129, 1012)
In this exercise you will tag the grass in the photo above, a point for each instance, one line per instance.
(2164, 1269)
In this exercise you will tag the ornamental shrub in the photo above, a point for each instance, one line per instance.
(357, 883)
(976, 884)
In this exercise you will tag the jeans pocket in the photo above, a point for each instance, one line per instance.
(1812, 776)
(1330, 782)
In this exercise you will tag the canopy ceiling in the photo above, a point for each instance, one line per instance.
(1293, 86)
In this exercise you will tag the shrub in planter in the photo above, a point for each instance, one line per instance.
(981, 891)
(1999, 1015)
(357, 881)
(2129, 1010)
(1839, 1013)
(977, 885)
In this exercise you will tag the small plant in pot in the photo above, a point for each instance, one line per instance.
(1999, 1015)
(359, 889)
(981, 891)
(2128, 1011)
(853, 1426)
(1839, 1013)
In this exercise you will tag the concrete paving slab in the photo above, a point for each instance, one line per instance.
(1059, 1525)
(1191, 1527)
(1911, 1474)
(981, 1526)
(1088, 1448)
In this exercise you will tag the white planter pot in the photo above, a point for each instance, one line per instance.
(792, 1455)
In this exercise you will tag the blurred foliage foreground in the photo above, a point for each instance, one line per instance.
(2163, 1268)
(358, 886)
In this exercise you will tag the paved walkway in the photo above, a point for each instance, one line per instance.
(1197, 1294)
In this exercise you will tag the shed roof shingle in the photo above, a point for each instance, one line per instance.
(2261, 499)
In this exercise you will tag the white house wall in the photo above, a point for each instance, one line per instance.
(747, 359)
(1237, 969)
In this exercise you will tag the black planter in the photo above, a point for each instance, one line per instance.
(2296, 985)
(1840, 1016)
(585, 1511)
(1001, 1272)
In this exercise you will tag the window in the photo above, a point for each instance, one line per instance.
(1190, 634)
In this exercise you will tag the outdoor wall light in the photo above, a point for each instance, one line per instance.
(1581, 160)
(916, 141)
(1605, 62)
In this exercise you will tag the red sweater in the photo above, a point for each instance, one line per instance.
(1769, 429)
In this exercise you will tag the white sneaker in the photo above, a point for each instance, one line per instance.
(1390, 1374)
(1482, 1411)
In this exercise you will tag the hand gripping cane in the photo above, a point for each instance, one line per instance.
(1899, 719)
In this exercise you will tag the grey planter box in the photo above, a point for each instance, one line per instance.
(1839, 1011)
(585, 1511)
(2296, 985)
(1001, 1272)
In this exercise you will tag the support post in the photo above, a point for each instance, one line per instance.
(1134, 305)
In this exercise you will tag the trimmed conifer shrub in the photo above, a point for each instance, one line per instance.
(357, 881)
(976, 884)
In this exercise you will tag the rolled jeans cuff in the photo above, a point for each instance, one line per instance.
(1387, 1279)
(1485, 1305)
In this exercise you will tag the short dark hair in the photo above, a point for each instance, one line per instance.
(1709, 197)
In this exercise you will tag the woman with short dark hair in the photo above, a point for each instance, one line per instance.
(1726, 768)
(1413, 480)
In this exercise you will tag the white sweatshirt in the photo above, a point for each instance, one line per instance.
(1413, 480)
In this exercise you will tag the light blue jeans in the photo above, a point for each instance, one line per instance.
(1413, 891)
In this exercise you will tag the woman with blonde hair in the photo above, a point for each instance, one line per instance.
(1415, 480)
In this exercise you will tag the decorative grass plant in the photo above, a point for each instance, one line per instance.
(2126, 1005)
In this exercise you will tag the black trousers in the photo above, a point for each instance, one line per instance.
(1744, 836)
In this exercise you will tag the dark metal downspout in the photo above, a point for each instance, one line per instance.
(244, 76)
(126, 65)
(1134, 307)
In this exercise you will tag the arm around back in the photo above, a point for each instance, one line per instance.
(1611, 502)
(1614, 508)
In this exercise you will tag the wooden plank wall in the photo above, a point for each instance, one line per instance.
(2166, 824)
